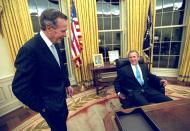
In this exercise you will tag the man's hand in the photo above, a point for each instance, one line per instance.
(163, 82)
(70, 90)
(122, 96)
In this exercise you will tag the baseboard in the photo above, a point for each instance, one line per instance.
(8, 102)
(9, 107)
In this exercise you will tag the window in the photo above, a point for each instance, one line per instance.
(109, 28)
(168, 33)
(36, 7)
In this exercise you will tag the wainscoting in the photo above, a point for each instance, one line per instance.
(8, 102)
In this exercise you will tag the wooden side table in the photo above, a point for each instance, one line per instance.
(96, 71)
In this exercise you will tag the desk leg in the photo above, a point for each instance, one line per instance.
(95, 79)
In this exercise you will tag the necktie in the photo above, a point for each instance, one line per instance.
(54, 52)
(138, 76)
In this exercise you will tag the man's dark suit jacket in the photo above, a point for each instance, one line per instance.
(128, 84)
(39, 81)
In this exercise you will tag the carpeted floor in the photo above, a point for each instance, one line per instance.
(87, 110)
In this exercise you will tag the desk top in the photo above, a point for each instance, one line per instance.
(163, 105)
(168, 116)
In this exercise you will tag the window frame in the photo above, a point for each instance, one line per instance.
(120, 30)
(173, 72)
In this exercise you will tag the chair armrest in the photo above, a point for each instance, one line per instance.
(154, 82)
(117, 85)
(118, 88)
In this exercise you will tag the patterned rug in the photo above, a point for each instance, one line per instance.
(87, 110)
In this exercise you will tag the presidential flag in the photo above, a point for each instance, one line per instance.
(76, 43)
(146, 42)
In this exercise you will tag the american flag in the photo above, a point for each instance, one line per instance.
(146, 42)
(76, 43)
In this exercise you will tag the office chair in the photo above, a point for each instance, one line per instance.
(152, 82)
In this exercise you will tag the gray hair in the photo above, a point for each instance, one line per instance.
(49, 17)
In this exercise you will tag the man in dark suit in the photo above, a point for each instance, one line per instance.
(41, 78)
(132, 79)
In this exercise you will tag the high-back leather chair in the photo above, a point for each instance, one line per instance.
(153, 82)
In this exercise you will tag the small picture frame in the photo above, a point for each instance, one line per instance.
(98, 60)
(113, 55)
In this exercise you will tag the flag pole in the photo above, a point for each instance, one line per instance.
(153, 5)
(82, 83)
(151, 38)
(147, 38)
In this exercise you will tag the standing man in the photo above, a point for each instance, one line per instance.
(132, 81)
(41, 78)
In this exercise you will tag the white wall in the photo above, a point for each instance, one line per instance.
(8, 102)
(6, 64)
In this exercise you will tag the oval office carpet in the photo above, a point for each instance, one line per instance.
(87, 110)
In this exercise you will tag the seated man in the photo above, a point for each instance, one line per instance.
(133, 83)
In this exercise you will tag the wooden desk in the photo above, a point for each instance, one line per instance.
(96, 71)
(168, 116)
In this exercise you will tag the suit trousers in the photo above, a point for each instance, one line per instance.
(148, 96)
(56, 119)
